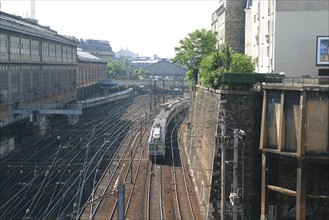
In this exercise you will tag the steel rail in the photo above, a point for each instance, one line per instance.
(108, 183)
(186, 185)
(174, 172)
(138, 165)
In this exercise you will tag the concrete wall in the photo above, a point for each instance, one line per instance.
(295, 41)
(243, 111)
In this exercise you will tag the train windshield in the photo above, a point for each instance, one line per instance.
(155, 147)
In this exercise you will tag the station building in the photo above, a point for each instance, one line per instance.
(41, 70)
(37, 67)
(41, 73)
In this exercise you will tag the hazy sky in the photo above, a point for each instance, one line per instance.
(144, 27)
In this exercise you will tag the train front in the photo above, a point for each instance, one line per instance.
(156, 143)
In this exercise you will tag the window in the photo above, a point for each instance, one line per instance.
(34, 47)
(14, 44)
(64, 52)
(58, 51)
(69, 52)
(45, 49)
(52, 50)
(25, 46)
(3, 43)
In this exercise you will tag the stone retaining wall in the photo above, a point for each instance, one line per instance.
(202, 141)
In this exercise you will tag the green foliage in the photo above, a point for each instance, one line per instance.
(193, 49)
(241, 64)
(141, 73)
(198, 53)
(209, 66)
(123, 69)
(118, 67)
(225, 55)
(224, 61)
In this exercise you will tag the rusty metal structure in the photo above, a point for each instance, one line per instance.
(294, 143)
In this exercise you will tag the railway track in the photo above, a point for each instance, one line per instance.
(185, 209)
(55, 176)
(171, 193)
(77, 177)
(117, 173)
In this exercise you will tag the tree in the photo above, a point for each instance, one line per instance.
(241, 64)
(225, 56)
(193, 49)
(141, 73)
(118, 67)
(225, 60)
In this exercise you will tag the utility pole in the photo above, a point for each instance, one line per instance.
(235, 172)
(163, 91)
(223, 168)
(150, 86)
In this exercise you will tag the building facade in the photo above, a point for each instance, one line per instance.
(281, 36)
(90, 71)
(37, 67)
(229, 21)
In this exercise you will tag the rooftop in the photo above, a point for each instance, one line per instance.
(84, 56)
(31, 27)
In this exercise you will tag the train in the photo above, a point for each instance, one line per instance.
(92, 102)
(157, 139)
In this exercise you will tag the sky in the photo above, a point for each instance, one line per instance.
(143, 27)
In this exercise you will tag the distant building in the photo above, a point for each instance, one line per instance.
(281, 36)
(229, 22)
(136, 60)
(98, 48)
(126, 54)
(164, 68)
(141, 62)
